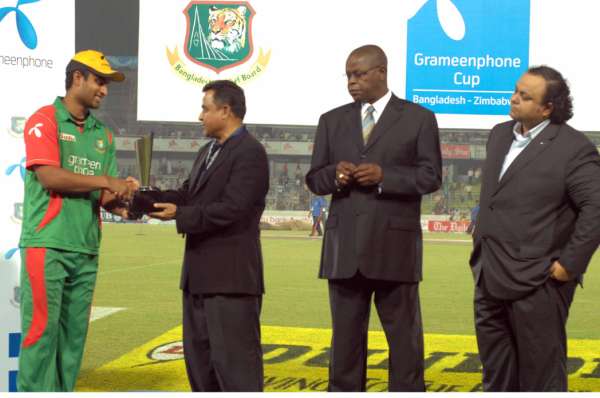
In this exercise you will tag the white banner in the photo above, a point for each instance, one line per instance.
(294, 66)
(33, 57)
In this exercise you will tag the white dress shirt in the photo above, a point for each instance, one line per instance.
(520, 143)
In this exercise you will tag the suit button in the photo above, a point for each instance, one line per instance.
(491, 208)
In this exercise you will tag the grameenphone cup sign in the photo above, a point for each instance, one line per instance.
(464, 56)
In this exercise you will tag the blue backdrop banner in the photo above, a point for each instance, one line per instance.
(464, 56)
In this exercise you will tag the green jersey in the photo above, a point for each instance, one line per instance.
(67, 221)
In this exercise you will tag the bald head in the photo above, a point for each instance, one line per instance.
(366, 69)
(371, 53)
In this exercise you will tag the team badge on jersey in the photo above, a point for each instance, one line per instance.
(100, 146)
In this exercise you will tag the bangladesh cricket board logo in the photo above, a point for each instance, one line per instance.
(218, 37)
(17, 125)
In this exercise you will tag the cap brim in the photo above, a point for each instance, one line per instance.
(113, 76)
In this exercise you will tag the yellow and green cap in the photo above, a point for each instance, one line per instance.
(96, 63)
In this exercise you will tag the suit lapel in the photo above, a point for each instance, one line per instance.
(533, 150)
(197, 168)
(391, 113)
(221, 157)
(353, 123)
(496, 157)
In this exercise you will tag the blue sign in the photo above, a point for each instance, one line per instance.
(12, 381)
(14, 345)
(17, 166)
(465, 56)
(24, 25)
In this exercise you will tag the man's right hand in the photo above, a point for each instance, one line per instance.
(124, 189)
(343, 173)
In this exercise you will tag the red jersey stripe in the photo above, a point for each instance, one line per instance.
(34, 261)
(54, 207)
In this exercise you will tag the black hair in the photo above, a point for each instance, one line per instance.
(557, 93)
(69, 79)
(226, 92)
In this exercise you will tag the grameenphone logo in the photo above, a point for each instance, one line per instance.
(17, 166)
(24, 26)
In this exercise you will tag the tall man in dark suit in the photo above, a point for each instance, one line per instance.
(377, 155)
(219, 209)
(538, 227)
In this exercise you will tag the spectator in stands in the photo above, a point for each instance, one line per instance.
(469, 191)
(470, 174)
(477, 174)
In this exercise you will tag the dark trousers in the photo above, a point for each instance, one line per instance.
(221, 342)
(316, 227)
(400, 314)
(523, 343)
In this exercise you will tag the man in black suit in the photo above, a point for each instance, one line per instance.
(219, 209)
(377, 155)
(538, 227)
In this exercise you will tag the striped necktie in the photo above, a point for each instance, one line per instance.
(368, 123)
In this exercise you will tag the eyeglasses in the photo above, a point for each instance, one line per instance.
(360, 74)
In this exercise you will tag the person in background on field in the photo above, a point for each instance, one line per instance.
(474, 212)
(318, 206)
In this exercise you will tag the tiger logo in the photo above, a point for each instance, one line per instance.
(227, 27)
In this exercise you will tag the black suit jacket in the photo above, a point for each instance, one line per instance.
(376, 233)
(220, 213)
(546, 207)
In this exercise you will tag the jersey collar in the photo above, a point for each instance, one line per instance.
(63, 115)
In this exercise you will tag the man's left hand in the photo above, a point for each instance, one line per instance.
(367, 174)
(558, 272)
(167, 212)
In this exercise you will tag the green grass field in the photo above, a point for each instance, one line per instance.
(140, 267)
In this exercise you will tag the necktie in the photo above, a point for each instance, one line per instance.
(368, 123)
(202, 167)
(212, 153)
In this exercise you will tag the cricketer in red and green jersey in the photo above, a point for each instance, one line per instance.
(60, 240)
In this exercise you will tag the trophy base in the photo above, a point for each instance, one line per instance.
(143, 201)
